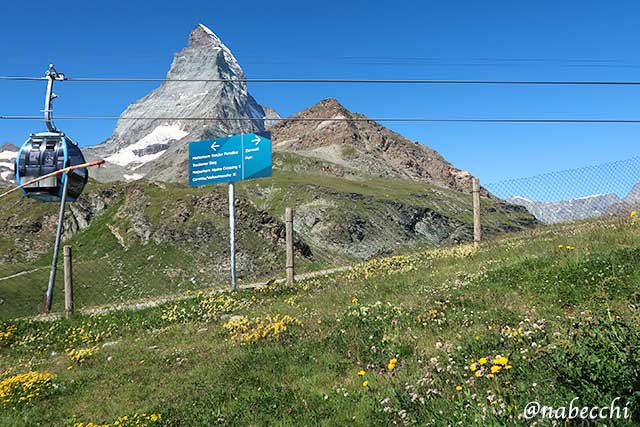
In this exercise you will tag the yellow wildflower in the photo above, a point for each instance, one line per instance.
(495, 369)
(354, 300)
(501, 361)
(361, 373)
(23, 388)
(633, 213)
(458, 388)
(365, 384)
(482, 360)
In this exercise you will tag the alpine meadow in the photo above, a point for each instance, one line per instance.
(389, 215)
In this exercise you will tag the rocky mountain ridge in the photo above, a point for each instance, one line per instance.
(592, 206)
(363, 147)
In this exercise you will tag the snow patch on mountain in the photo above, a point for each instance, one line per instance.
(8, 153)
(149, 148)
(133, 177)
(5, 174)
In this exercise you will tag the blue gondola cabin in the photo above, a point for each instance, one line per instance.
(45, 153)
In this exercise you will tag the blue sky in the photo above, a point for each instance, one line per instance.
(572, 40)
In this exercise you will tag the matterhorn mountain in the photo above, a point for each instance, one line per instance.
(8, 153)
(136, 146)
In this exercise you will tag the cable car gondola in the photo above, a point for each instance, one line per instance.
(51, 167)
(47, 152)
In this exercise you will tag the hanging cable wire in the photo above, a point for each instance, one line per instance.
(21, 78)
(334, 119)
(338, 81)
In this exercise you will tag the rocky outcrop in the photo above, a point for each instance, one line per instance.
(630, 203)
(272, 117)
(80, 214)
(363, 146)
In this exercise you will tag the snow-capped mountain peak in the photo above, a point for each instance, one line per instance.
(209, 39)
(153, 147)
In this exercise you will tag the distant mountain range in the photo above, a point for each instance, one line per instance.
(580, 208)
(8, 153)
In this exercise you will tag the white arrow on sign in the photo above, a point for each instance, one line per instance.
(214, 146)
(257, 140)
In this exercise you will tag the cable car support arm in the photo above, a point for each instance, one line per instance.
(51, 75)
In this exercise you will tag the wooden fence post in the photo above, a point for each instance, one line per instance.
(477, 234)
(288, 220)
(68, 282)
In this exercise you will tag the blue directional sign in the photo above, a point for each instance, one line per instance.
(230, 159)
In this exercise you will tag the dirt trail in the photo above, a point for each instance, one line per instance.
(154, 302)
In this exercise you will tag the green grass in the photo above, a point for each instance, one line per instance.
(568, 321)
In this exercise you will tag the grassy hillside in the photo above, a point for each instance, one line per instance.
(451, 336)
(148, 239)
(144, 239)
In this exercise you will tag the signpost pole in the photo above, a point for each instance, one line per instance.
(56, 247)
(232, 234)
(229, 159)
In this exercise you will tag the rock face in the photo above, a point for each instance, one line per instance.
(364, 147)
(629, 203)
(568, 210)
(8, 153)
(633, 198)
(136, 146)
(272, 117)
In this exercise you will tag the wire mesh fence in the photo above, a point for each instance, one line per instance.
(142, 246)
(588, 192)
